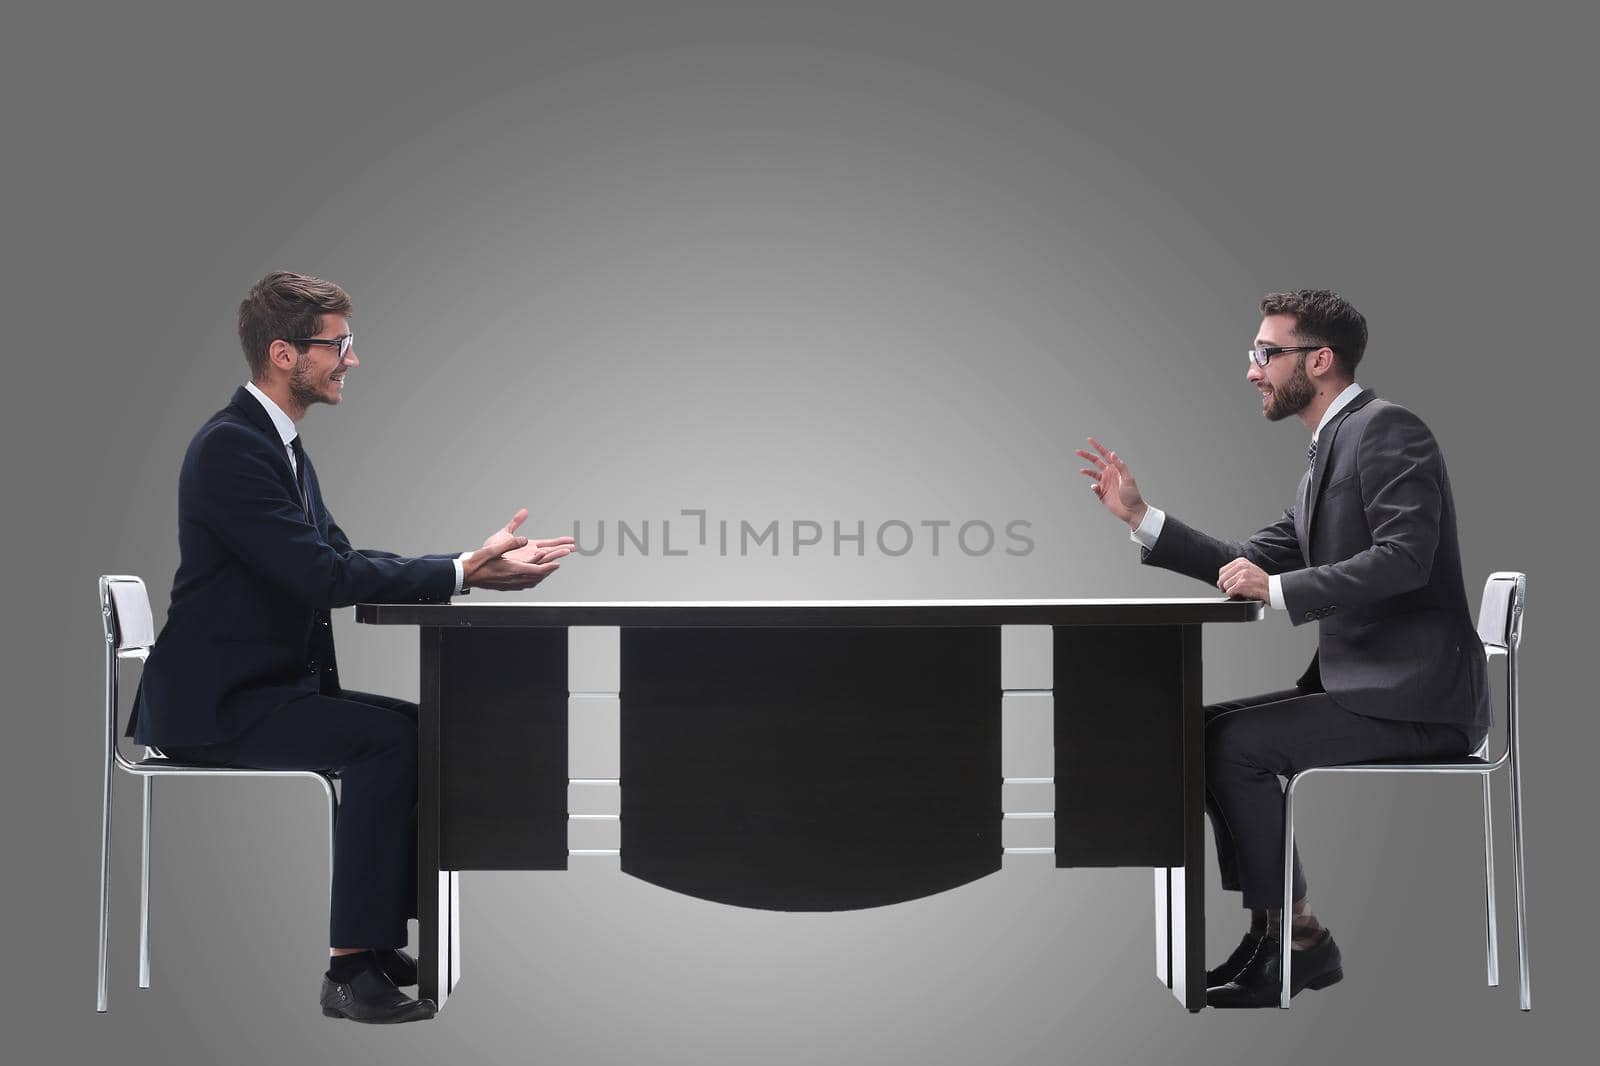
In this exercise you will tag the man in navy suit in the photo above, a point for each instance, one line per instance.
(1368, 551)
(243, 673)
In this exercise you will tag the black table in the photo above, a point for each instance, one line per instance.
(813, 755)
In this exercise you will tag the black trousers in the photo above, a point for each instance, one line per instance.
(1251, 742)
(372, 742)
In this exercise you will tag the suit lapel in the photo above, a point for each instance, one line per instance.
(1319, 469)
(252, 411)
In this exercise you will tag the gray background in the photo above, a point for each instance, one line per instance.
(841, 262)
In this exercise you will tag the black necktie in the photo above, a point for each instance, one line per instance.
(300, 475)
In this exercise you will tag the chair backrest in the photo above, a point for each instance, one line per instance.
(125, 614)
(1500, 612)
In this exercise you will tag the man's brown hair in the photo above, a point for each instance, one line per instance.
(282, 306)
(1325, 318)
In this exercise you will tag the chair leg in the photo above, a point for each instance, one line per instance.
(105, 884)
(144, 888)
(1491, 929)
(1286, 916)
(333, 825)
(1526, 994)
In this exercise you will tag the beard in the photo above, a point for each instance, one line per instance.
(301, 385)
(1293, 395)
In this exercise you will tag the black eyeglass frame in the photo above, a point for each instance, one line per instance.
(344, 343)
(1263, 355)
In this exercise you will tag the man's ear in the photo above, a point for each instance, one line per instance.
(1323, 362)
(281, 354)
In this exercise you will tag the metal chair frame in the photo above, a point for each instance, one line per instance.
(120, 649)
(1509, 631)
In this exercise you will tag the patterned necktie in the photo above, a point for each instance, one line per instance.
(1311, 452)
(300, 475)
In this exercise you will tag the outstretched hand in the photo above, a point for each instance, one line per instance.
(523, 550)
(509, 562)
(1113, 484)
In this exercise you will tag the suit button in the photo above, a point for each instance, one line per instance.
(1311, 616)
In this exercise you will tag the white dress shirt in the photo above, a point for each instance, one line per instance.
(1150, 528)
(285, 427)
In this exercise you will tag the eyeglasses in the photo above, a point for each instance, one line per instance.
(1259, 356)
(343, 343)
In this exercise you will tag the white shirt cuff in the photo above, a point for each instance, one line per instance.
(461, 573)
(1275, 591)
(1149, 530)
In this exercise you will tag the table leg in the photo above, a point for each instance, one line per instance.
(1130, 764)
(1189, 883)
(434, 919)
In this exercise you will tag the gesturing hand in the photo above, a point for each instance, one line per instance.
(1244, 580)
(524, 550)
(509, 562)
(1113, 484)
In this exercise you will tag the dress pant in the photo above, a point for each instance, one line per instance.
(371, 741)
(1251, 742)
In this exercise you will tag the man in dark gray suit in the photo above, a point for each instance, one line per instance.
(1368, 551)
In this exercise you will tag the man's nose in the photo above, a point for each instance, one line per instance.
(350, 358)
(1255, 373)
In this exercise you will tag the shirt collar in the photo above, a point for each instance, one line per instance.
(283, 423)
(1340, 402)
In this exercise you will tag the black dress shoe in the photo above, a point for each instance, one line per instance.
(1230, 969)
(399, 967)
(371, 997)
(1260, 983)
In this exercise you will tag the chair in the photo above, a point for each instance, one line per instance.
(129, 633)
(1500, 629)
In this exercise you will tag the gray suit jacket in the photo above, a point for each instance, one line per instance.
(1368, 552)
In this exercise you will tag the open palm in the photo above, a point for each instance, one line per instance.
(505, 541)
(1112, 482)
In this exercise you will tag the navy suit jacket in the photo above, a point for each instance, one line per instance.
(249, 625)
(1368, 552)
